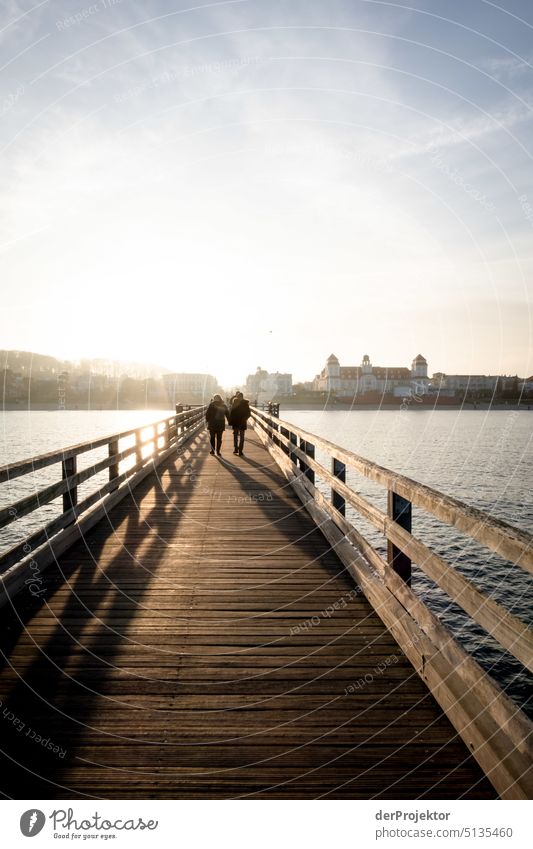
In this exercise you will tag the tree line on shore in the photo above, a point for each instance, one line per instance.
(89, 392)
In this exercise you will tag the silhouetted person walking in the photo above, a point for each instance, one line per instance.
(215, 416)
(239, 414)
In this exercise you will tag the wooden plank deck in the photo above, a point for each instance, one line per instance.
(204, 642)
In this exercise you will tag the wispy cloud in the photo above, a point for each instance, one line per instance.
(470, 128)
(20, 21)
(508, 68)
(257, 147)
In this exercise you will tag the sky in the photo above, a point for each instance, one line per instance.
(219, 186)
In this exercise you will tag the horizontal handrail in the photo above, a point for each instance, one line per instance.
(496, 731)
(170, 431)
(26, 505)
(499, 536)
(505, 627)
(513, 634)
(10, 471)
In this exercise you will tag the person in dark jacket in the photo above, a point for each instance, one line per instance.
(239, 414)
(215, 416)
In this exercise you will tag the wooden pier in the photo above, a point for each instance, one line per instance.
(204, 627)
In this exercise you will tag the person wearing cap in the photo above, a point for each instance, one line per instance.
(215, 416)
(239, 414)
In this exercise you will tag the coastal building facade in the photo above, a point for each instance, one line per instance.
(459, 383)
(526, 385)
(190, 387)
(366, 378)
(267, 386)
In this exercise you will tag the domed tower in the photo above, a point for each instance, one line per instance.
(366, 365)
(333, 372)
(333, 366)
(419, 367)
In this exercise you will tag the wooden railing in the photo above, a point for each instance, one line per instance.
(497, 732)
(150, 445)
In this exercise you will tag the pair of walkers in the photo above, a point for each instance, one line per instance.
(237, 416)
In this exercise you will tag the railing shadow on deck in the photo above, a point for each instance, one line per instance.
(283, 490)
(46, 697)
(56, 697)
(497, 732)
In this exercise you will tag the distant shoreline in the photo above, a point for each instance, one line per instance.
(10, 407)
(482, 406)
(408, 406)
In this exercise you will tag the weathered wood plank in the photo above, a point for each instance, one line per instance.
(487, 739)
(192, 646)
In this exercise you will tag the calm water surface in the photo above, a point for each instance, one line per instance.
(28, 434)
(484, 458)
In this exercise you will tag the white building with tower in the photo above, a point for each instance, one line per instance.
(360, 380)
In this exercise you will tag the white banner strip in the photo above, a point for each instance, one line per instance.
(269, 824)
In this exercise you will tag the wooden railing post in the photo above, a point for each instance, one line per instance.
(269, 426)
(138, 448)
(70, 498)
(400, 511)
(309, 449)
(285, 448)
(113, 469)
(172, 430)
(79, 504)
(338, 469)
(294, 441)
